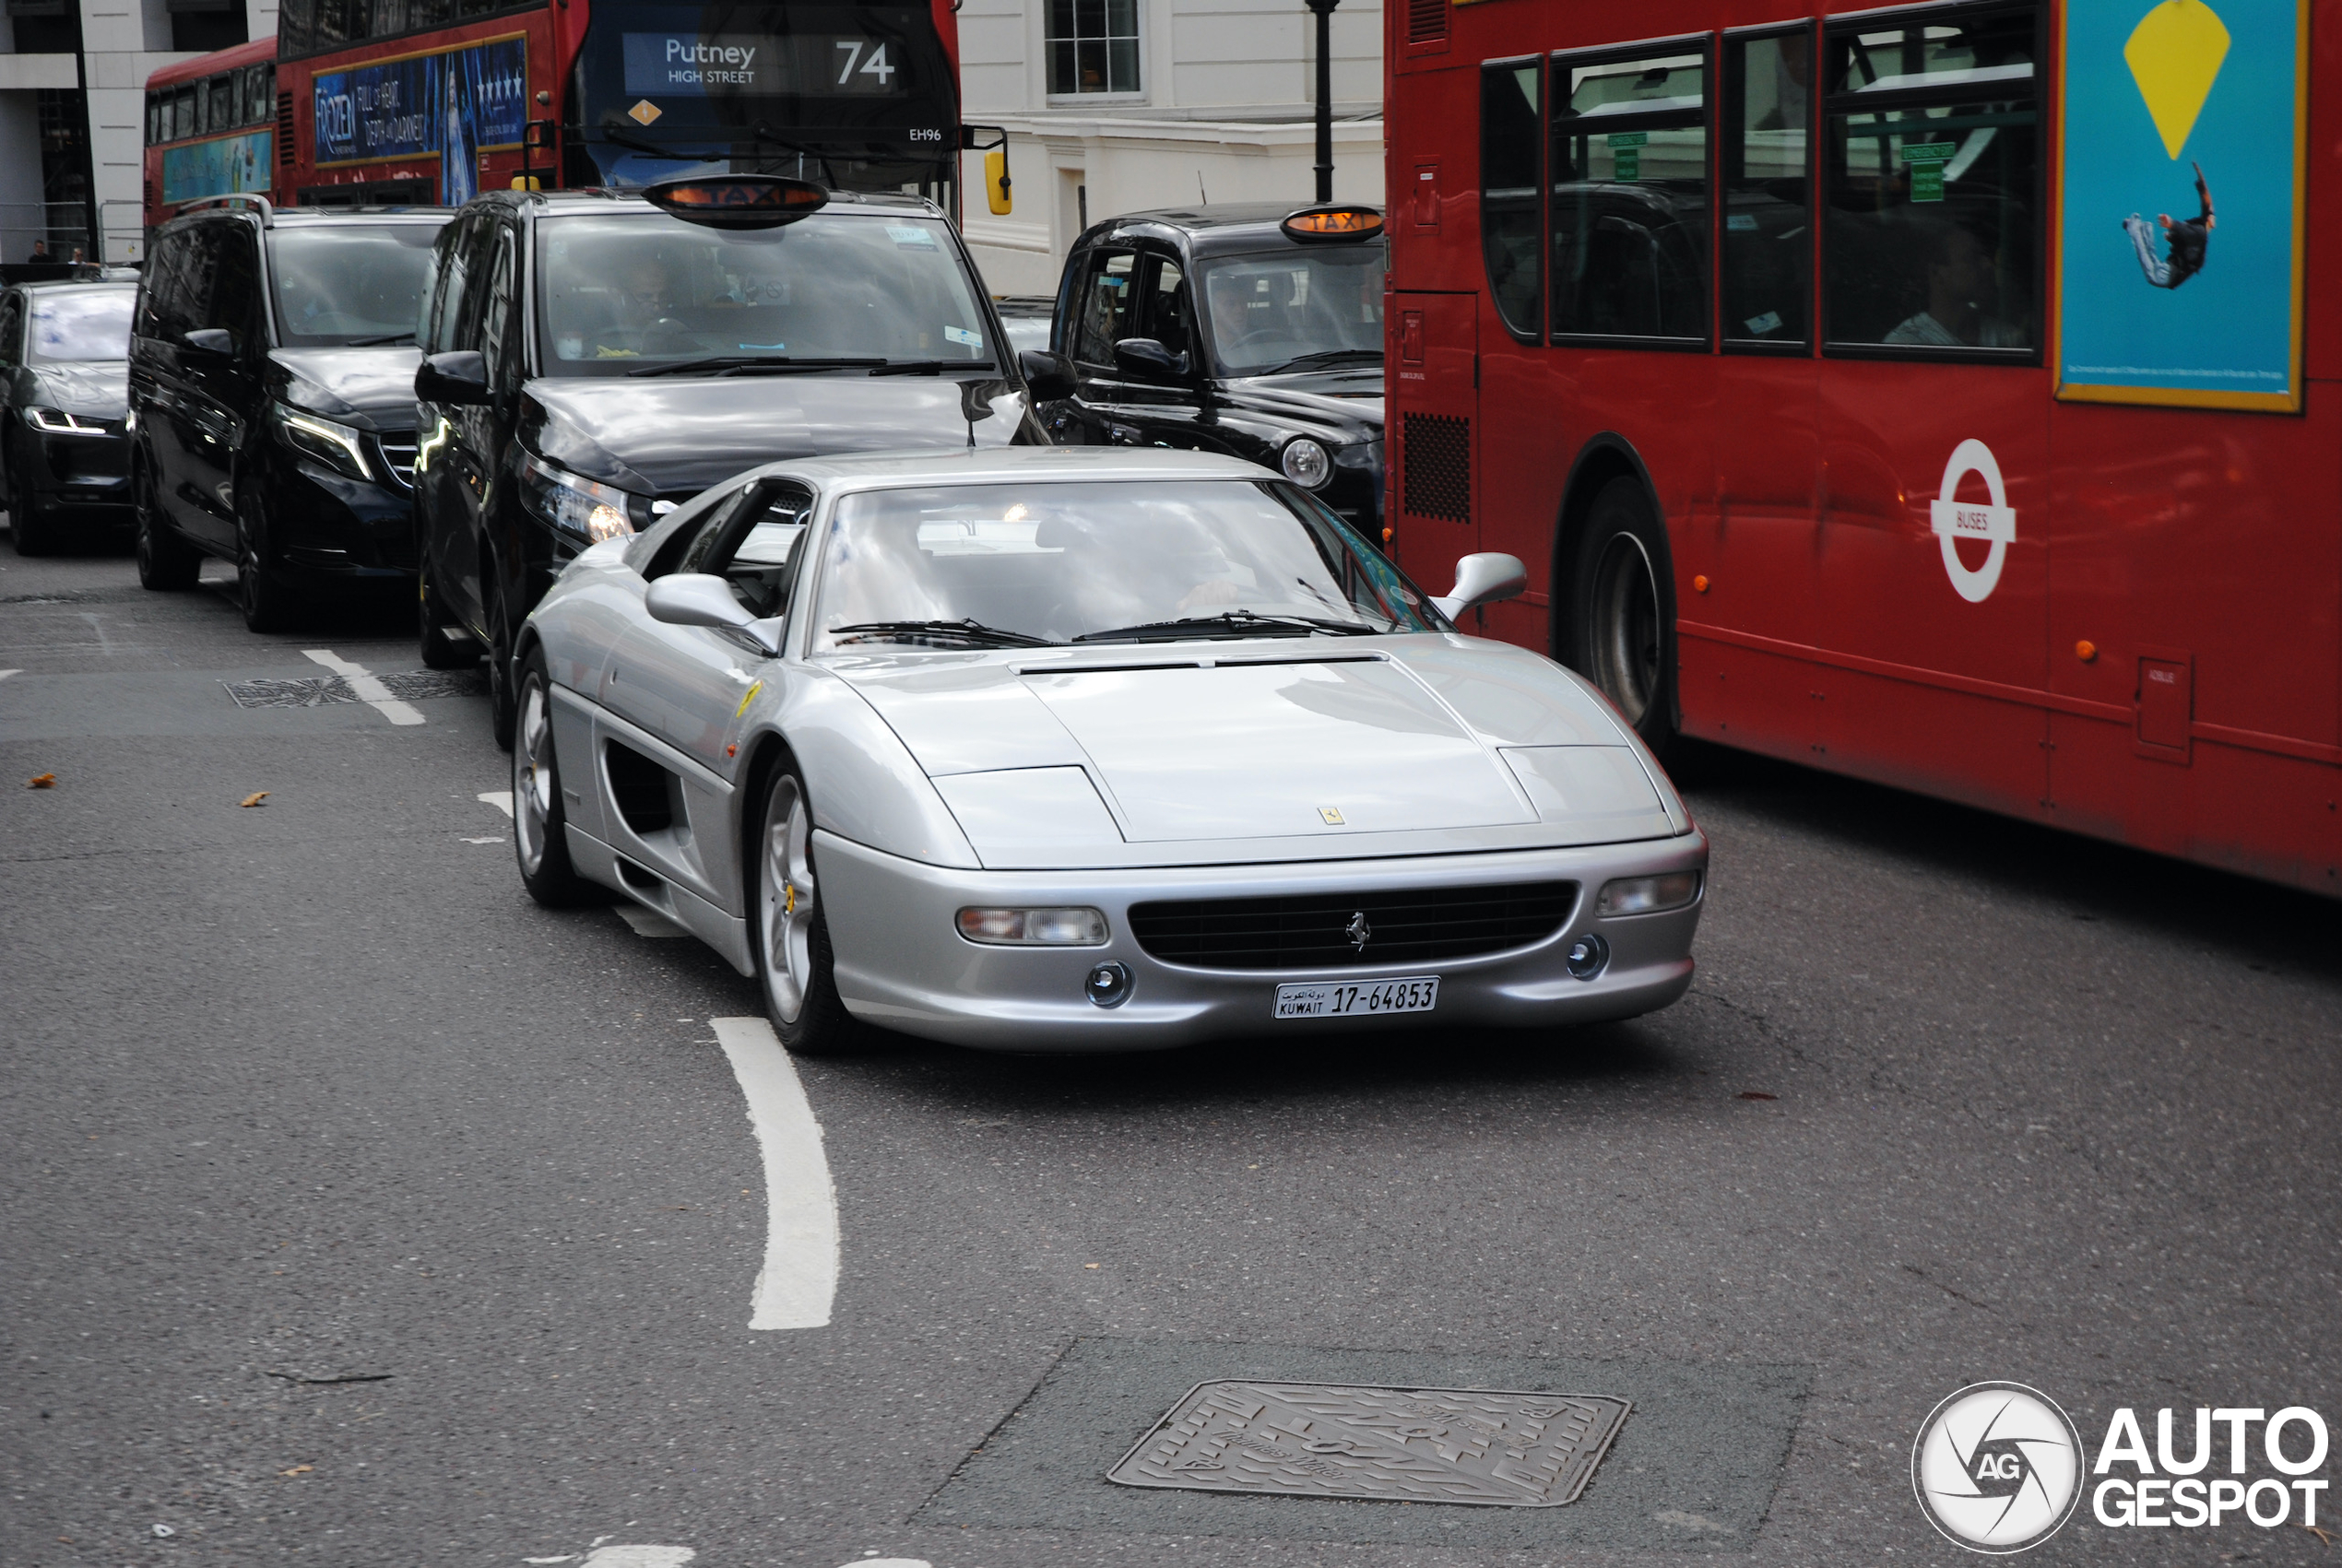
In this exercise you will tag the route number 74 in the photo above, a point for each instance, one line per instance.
(875, 66)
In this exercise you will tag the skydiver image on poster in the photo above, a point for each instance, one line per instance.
(2188, 239)
(458, 158)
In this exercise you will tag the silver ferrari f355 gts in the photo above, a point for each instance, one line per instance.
(1071, 749)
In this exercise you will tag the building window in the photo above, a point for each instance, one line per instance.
(1093, 46)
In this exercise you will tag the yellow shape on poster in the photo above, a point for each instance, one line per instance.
(2174, 55)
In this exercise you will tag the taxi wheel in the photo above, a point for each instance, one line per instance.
(792, 936)
(445, 645)
(540, 840)
(260, 585)
(1623, 638)
(167, 563)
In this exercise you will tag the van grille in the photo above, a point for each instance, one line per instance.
(1436, 450)
(398, 455)
(1312, 930)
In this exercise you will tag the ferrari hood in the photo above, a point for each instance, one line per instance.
(1325, 747)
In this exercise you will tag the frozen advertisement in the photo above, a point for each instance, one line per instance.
(693, 64)
(217, 168)
(2179, 218)
(455, 105)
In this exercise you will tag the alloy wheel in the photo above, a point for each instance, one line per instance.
(1626, 627)
(533, 781)
(787, 891)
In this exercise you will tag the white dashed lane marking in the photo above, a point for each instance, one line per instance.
(800, 1277)
(500, 798)
(369, 689)
(648, 921)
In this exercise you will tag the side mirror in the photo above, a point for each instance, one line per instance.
(1482, 580)
(209, 340)
(458, 379)
(696, 598)
(1046, 375)
(1149, 361)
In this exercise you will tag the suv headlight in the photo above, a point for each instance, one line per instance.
(337, 446)
(55, 421)
(576, 505)
(1306, 463)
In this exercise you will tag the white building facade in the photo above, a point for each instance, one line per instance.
(1115, 106)
(72, 80)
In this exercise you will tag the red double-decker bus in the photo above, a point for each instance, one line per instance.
(433, 101)
(1927, 394)
(211, 128)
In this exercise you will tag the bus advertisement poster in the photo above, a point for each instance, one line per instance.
(217, 168)
(2180, 220)
(456, 103)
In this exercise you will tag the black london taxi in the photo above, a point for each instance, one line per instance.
(593, 359)
(1251, 330)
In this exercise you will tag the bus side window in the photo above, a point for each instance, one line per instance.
(1510, 131)
(1768, 217)
(1931, 161)
(1629, 193)
(294, 20)
(328, 24)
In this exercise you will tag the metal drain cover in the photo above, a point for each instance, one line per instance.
(1476, 1446)
(317, 693)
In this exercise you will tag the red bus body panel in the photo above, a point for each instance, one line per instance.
(2197, 552)
(259, 51)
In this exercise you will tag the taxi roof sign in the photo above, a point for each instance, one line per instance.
(1338, 222)
(738, 201)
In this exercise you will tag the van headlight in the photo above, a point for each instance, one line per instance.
(338, 446)
(580, 507)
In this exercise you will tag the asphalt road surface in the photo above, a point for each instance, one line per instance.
(357, 1211)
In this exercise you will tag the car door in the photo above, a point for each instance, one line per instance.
(441, 517)
(511, 547)
(1108, 308)
(12, 374)
(674, 699)
(172, 421)
(225, 389)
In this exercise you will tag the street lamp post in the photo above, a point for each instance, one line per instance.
(1324, 12)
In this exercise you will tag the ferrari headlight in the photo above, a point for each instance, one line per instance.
(1648, 895)
(1034, 927)
(1307, 463)
(336, 445)
(578, 506)
(55, 421)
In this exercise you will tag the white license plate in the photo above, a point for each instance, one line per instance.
(1323, 999)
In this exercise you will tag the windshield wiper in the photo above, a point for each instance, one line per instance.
(1325, 358)
(754, 364)
(1230, 623)
(378, 342)
(970, 631)
(928, 366)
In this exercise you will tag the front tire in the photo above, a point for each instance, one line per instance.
(1622, 621)
(167, 563)
(26, 526)
(794, 963)
(260, 584)
(503, 699)
(445, 645)
(540, 839)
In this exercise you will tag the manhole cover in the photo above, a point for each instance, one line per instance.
(416, 685)
(1476, 1446)
(314, 694)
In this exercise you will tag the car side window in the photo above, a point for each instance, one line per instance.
(755, 550)
(690, 542)
(1168, 318)
(1109, 310)
(200, 276)
(12, 330)
(164, 314)
(497, 338)
(447, 299)
(234, 301)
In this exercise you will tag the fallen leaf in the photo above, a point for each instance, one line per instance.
(1089, 1266)
(1757, 1094)
(298, 1470)
(41, 781)
(255, 798)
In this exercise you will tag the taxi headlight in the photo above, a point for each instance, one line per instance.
(1648, 895)
(1034, 927)
(1307, 463)
(577, 506)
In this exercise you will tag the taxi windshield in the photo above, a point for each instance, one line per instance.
(634, 295)
(350, 284)
(1008, 565)
(85, 324)
(1298, 307)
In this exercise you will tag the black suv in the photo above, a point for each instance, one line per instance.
(62, 451)
(1251, 330)
(272, 398)
(592, 358)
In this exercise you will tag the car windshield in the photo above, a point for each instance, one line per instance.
(346, 283)
(621, 295)
(1321, 304)
(94, 325)
(1003, 564)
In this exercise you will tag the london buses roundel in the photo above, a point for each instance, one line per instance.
(1954, 520)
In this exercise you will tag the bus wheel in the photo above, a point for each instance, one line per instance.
(1624, 639)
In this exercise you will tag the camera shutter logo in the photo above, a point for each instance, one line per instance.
(1997, 1468)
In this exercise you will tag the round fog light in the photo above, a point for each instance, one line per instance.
(1589, 956)
(1108, 985)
